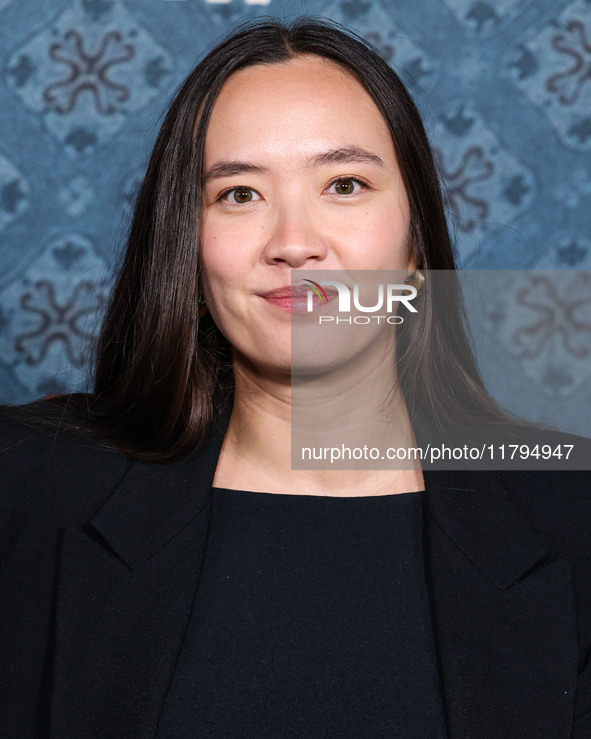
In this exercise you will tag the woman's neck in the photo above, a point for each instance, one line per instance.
(276, 421)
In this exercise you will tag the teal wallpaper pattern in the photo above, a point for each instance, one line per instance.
(504, 87)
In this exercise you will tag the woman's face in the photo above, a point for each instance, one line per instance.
(300, 173)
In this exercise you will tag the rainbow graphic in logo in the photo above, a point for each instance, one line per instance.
(316, 288)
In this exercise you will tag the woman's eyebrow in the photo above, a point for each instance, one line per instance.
(230, 168)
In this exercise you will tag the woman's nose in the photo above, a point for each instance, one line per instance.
(296, 237)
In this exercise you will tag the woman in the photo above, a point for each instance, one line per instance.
(165, 570)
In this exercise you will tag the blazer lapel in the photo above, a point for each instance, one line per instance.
(126, 585)
(503, 613)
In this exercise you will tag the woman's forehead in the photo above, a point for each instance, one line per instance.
(300, 107)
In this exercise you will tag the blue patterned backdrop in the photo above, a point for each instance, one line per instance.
(504, 87)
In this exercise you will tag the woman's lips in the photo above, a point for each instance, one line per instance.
(295, 299)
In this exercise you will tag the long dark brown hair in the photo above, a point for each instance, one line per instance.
(162, 374)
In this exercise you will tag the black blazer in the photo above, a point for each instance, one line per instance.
(101, 558)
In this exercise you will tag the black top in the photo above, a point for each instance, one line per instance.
(311, 620)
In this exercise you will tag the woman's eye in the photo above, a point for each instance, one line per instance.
(347, 186)
(240, 195)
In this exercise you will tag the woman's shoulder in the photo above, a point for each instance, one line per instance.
(40, 435)
(557, 503)
(549, 485)
(52, 468)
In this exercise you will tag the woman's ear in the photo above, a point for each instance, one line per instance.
(414, 275)
(411, 263)
(202, 303)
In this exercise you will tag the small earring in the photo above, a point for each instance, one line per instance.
(415, 279)
(202, 307)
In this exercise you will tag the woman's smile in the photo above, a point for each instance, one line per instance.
(300, 298)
